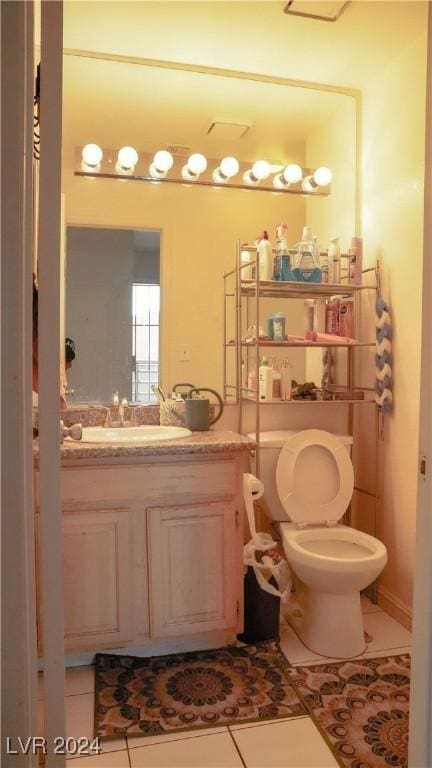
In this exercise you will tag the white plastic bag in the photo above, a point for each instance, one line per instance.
(254, 489)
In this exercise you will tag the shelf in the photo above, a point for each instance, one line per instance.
(302, 344)
(295, 290)
(252, 401)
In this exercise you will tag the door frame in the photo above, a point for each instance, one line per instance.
(19, 652)
(420, 742)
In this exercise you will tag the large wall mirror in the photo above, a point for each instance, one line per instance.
(123, 234)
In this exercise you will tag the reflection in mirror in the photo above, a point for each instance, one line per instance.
(219, 115)
(112, 313)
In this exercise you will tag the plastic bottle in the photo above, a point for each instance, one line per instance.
(245, 258)
(279, 327)
(332, 316)
(324, 261)
(282, 261)
(265, 380)
(270, 326)
(265, 254)
(319, 317)
(355, 261)
(307, 269)
(252, 381)
(286, 380)
(277, 384)
(309, 314)
(334, 261)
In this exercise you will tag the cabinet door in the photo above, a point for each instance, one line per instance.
(193, 568)
(97, 578)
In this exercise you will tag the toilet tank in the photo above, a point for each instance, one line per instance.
(270, 447)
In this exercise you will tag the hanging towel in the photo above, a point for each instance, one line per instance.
(383, 357)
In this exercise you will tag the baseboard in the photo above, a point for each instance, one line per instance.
(394, 607)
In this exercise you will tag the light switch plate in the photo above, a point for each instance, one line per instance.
(184, 353)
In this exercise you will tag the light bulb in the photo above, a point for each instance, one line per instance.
(196, 164)
(308, 185)
(229, 167)
(292, 173)
(261, 170)
(127, 158)
(92, 155)
(163, 161)
(322, 176)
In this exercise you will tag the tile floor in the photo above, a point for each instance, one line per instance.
(292, 743)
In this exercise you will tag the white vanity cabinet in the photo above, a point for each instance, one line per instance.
(98, 575)
(152, 549)
(198, 592)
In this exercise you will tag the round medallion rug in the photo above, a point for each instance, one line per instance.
(147, 696)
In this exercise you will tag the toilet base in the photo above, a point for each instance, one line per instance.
(333, 624)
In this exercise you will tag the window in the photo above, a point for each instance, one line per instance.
(145, 341)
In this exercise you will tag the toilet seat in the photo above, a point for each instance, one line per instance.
(314, 478)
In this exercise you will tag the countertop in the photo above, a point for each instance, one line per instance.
(213, 441)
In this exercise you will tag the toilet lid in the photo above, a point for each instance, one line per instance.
(314, 477)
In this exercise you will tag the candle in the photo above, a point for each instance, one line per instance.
(115, 398)
(124, 402)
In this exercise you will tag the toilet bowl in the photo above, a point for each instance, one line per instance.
(314, 481)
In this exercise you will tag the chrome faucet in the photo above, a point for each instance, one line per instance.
(121, 411)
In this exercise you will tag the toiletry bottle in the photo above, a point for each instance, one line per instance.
(252, 382)
(265, 380)
(319, 316)
(265, 254)
(309, 314)
(286, 380)
(270, 326)
(332, 316)
(324, 261)
(334, 261)
(279, 327)
(316, 252)
(277, 383)
(282, 262)
(346, 318)
(355, 261)
(245, 259)
(307, 269)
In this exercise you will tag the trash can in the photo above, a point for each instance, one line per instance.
(261, 611)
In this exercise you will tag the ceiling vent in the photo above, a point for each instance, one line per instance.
(227, 131)
(323, 10)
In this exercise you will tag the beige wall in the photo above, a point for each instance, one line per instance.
(199, 228)
(379, 48)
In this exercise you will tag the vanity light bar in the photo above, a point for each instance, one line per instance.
(197, 169)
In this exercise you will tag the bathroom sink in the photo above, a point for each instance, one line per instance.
(142, 434)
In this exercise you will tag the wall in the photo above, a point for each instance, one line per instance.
(101, 266)
(379, 48)
(199, 228)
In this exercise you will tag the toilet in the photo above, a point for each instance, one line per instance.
(309, 480)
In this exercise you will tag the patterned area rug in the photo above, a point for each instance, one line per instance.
(361, 708)
(138, 696)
